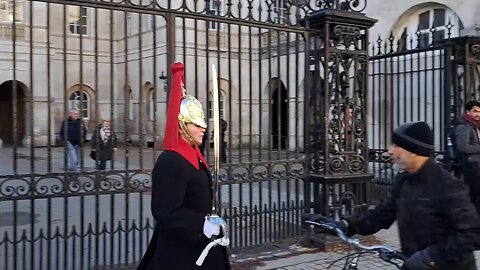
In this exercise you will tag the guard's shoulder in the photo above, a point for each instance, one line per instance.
(171, 157)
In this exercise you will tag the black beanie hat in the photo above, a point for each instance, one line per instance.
(414, 137)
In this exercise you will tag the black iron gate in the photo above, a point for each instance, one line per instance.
(417, 80)
(303, 105)
(109, 60)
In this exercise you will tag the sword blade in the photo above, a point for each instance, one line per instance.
(216, 138)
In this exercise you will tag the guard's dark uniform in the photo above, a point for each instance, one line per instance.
(433, 211)
(181, 197)
(182, 190)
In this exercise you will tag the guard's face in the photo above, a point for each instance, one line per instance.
(197, 132)
(475, 113)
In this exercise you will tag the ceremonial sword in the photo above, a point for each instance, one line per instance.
(214, 217)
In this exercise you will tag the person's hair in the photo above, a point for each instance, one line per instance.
(471, 104)
(74, 110)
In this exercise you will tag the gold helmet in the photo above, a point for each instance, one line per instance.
(191, 112)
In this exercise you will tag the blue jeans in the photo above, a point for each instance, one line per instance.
(102, 165)
(73, 153)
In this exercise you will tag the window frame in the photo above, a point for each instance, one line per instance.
(210, 106)
(77, 24)
(215, 9)
(76, 102)
(8, 11)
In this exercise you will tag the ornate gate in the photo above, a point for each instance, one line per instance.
(417, 80)
(109, 60)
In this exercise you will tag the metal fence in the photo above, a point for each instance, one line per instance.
(110, 60)
(417, 80)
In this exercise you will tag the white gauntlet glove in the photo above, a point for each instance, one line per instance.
(210, 228)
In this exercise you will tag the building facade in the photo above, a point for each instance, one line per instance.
(114, 65)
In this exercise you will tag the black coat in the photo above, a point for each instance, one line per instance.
(104, 150)
(467, 142)
(181, 198)
(74, 132)
(433, 212)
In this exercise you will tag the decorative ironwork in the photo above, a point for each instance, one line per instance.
(94, 218)
(337, 104)
(54, 185)
(343, 62)
(475, 51)
(284, 12)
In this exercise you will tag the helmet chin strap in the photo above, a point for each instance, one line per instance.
(187, 135)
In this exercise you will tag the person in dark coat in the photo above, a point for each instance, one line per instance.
(181, 191)
(103, 143)
(73, 132)
(223, 143)
(467, 143)
(438, 225)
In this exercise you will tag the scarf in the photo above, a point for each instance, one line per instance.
(474, 123)
(105, 133)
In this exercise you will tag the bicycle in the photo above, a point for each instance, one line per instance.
(387, 254)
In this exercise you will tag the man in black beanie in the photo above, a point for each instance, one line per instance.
(438, 225)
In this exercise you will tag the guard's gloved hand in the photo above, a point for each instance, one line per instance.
(341, 224)
(420, 260)
(210, 228)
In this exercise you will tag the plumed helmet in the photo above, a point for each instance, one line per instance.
(183, 109)
(191, 112)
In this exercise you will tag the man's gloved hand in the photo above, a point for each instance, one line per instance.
(420, 260)
(342, 224)
(210, 228)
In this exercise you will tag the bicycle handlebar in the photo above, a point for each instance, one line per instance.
(384, 252)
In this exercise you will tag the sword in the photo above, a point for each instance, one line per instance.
(216, 139)
(214, 217)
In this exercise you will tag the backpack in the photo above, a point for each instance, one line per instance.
(453, 158)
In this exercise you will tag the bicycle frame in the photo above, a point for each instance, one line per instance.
(385, 253)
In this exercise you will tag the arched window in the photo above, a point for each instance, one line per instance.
(426, 25)
(80, 102)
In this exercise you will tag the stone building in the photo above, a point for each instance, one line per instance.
(113, 64)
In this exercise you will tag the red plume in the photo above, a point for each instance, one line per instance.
(172, 140)
(171, 127)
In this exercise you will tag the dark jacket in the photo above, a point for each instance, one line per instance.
(181, 198)
(104, 151)
(433, 212)
(74, 131)
(467, 142)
